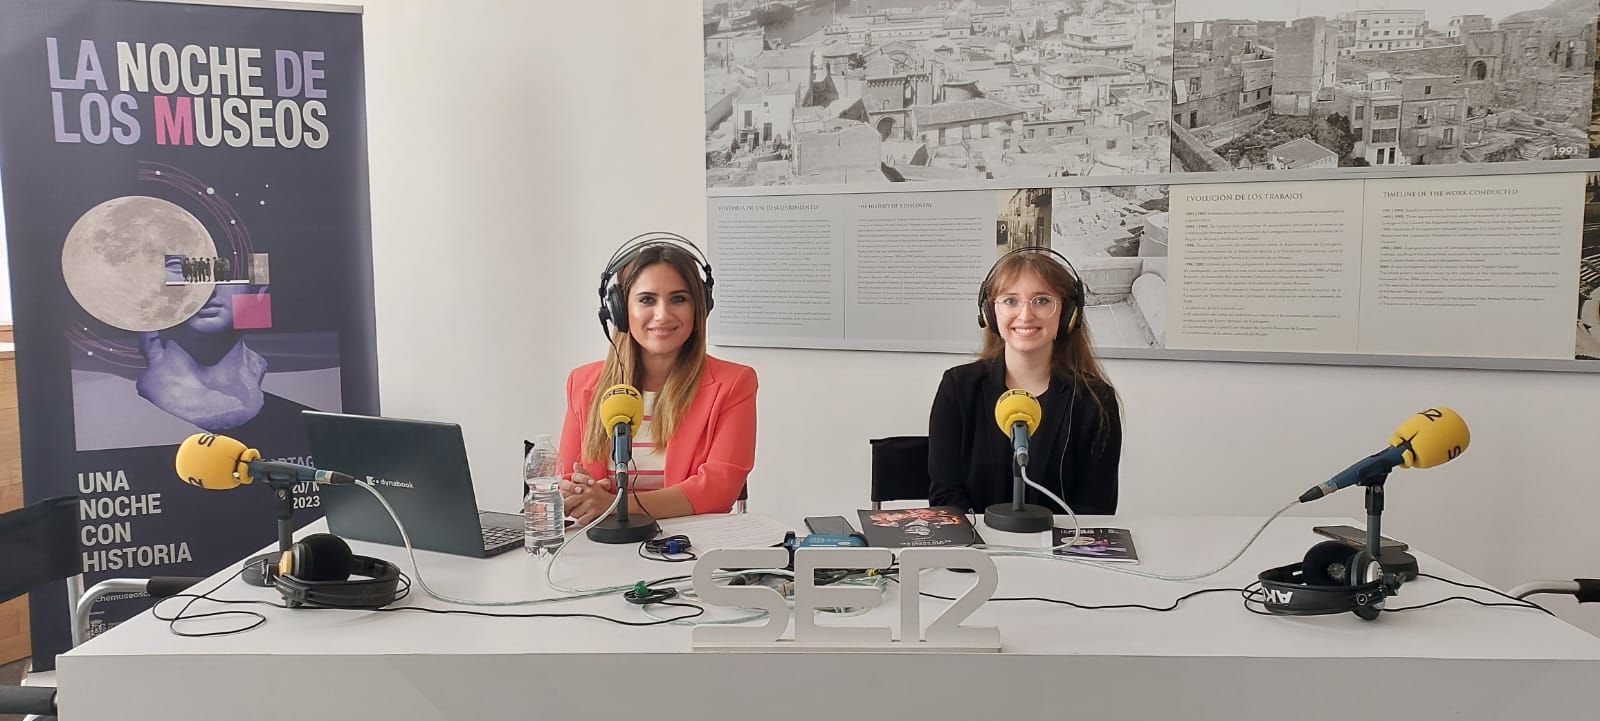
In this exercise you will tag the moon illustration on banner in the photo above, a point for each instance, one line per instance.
(114, 262)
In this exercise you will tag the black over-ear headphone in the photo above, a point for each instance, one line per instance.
(317, 570)
(1332, 578)
(1072, 313)
(613, 306)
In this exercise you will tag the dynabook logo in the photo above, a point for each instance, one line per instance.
(1278, 597)
(391, 484)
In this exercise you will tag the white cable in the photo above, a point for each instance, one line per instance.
(416, 570)
(998, 550)
(549, 567)
(1076, 528)
(574, 594)
(879, 582)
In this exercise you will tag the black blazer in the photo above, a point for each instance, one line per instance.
(1072, 453)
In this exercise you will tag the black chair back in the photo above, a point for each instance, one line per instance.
(39, 545)
(899, 469)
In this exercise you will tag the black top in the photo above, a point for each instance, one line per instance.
(1072, 453)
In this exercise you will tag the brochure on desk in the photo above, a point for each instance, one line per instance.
(1112, 545)
(918, 527)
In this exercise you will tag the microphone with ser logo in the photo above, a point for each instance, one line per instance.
(1338, 576)
(219, 463)
(1017, 413)
(621, 409)
(1426, 439)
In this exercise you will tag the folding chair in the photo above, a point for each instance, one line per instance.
(38, 546)
(899, 469)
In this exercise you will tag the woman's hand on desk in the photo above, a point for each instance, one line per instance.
(586, 497)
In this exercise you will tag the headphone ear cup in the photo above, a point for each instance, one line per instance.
(1071, 323)
(617, 309)
(1328, 564)
(321, 557)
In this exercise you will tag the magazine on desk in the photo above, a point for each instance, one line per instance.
(1112, 545)
(917, 527)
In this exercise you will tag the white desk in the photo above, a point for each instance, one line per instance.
(1209, 659)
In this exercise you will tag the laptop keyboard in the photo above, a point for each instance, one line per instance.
(497, 536)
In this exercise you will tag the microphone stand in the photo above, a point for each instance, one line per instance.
(282, 485)
(1398, 566)
(621, 527)
(1017, 516)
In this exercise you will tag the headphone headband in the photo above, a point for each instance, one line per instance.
(633, 246)
(1308, 589)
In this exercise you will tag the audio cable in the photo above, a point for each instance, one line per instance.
(1022, 551)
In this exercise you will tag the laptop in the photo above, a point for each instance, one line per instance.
(420, 467)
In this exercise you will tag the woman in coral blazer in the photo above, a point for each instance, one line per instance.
(694, 450)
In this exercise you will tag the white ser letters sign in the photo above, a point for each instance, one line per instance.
(945, 633)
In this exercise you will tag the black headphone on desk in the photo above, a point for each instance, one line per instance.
(1074, 309)
(1332, 578)
(317, 571)
(614, 307)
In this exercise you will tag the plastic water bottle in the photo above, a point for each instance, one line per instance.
(543, 511)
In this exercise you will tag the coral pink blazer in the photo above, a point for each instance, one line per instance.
(710, 454)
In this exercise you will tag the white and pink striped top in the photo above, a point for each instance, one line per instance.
(649, 465)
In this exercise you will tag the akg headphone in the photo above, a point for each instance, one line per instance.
(316, 571)
(614, 307)
(1073, 311)
(1332, 578)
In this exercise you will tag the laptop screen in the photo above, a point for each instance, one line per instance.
(420, 467)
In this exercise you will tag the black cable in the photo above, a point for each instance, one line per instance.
(1465, 598)
(699, 611)
(660, 547)
(1515, 602)
(172, 622)
(1253, 595)
(405, 591)
(1086, 607)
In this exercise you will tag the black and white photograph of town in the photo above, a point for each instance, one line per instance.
(807, 92)
(1286, 84)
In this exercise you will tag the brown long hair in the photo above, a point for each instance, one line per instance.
(1071, 354)
(622, 357)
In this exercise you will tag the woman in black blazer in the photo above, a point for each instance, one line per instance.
(1031, 307)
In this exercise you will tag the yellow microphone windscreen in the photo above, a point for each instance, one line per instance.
(1436, 435)
(1017, 405)
(621, 403)
(214, 462)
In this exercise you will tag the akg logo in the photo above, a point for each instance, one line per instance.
(1280, 597)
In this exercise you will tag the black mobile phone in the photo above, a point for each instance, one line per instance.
(1357, 538)
(830, 525)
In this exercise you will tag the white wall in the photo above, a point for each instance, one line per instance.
(526, 141)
